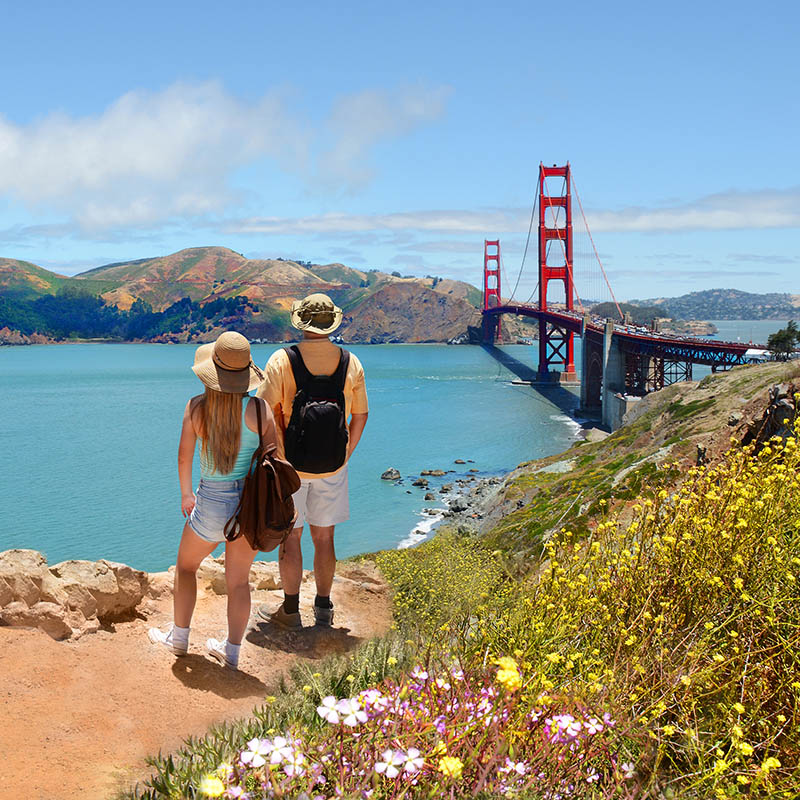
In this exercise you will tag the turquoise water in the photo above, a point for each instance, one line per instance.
(89, 439)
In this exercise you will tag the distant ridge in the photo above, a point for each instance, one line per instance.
(727, 304)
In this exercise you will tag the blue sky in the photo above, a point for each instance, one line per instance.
(400, 137)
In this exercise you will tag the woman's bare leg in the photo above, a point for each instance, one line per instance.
(238, 560)
(191, 553)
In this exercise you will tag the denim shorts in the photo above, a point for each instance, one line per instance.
(216, 504)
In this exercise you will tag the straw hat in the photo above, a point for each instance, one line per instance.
(225, 365)
(317, 314)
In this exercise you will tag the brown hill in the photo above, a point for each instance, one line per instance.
(205, 274)
(408, 312)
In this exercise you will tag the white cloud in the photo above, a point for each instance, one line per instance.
(148, 157)
(359, 121)
(152, 157)
(767, 208)
(466, 222)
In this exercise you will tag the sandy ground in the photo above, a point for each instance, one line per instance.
(79, 717)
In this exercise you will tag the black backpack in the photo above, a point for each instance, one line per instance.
(316, 437)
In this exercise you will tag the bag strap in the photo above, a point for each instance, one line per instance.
(341, 371)
(267, 449)
(302, 377)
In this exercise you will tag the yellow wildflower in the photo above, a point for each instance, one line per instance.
(211, 786)
(738, 708)
(451, 767)
(745, 749)
(770, 764)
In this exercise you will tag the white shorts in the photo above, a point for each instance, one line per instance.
(323, 501)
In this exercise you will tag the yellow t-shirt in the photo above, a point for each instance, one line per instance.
(321, 357)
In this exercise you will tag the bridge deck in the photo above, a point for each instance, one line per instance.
(638, 340)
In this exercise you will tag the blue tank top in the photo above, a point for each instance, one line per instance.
(247, 445)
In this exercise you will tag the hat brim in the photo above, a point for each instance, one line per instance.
(224, 380)
(309, 326)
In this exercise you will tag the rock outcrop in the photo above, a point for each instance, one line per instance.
(70, 599)
(67, 599)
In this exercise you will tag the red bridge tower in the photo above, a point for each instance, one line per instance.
(556, 345)
(491, 288)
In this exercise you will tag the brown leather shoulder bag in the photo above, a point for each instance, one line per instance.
(265, 515)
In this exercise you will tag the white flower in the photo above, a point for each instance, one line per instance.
(593, 726)
(295, 764)
(414, 761)
(419, 674)
(254, 755)
(282, 750)
(351, 711)
(628, 769)
(328, 710)
(392, 761)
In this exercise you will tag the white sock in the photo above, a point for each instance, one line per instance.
(179, 635)
(232, 652)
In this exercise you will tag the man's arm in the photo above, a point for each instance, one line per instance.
(356, 428)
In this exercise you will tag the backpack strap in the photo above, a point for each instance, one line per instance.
(341, 371)
(302, 377)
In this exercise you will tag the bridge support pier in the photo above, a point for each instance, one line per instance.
(613, 407)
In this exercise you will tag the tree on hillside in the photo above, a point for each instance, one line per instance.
(783, 342)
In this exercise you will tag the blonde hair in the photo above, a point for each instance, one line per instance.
(220, 428)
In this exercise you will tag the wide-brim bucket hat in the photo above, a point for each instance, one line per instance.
(226, 365)
(316, 313)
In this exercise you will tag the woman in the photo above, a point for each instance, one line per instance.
(224, 419)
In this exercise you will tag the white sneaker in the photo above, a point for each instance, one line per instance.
(165, 639)
(216, 649)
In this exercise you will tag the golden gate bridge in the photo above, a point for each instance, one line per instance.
(617, 359)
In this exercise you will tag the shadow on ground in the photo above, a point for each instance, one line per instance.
(309, 642)
(197, 672)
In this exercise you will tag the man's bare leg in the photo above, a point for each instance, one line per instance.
(290, 562)
(324, 558)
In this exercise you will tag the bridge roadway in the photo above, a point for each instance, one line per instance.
(689, 349)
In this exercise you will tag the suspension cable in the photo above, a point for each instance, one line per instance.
(597, 255)
(528, 240)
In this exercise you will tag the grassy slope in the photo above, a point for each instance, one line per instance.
(25, 280)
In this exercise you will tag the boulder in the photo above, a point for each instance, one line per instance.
(430, 496)
(459, 461)
(459, 504)
(21, 575)
(391, 474)
(446, 488)
(735, 417)
(160, 583)
(116, 588)
(435, 473)
(423, 482)
(49, 617)
(263, 575)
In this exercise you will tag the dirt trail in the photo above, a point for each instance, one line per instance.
(78, 718)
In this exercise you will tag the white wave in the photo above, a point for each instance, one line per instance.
(576, 426)
(423, 528)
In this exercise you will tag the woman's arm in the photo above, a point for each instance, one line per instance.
(185, 458)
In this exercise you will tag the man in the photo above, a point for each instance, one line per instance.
(322, 499)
